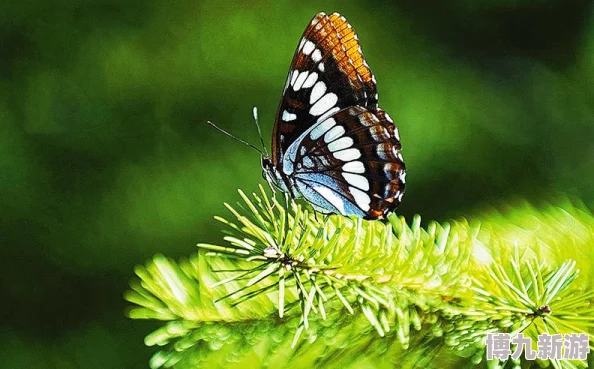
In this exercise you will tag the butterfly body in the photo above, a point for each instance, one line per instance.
(332, 145)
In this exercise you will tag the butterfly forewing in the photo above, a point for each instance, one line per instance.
(328, 73)
(332, 144)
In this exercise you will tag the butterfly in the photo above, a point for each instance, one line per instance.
(331, 144)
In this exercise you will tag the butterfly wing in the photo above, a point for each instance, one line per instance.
(331, 143)
(328, 73)
(349, 164)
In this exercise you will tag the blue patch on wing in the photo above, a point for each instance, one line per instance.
(324, 193)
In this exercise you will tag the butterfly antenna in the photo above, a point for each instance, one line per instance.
(255, 112)
(234, 137)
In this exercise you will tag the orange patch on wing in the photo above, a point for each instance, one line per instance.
(346, 49)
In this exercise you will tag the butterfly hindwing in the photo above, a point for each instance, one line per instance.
(350, 163)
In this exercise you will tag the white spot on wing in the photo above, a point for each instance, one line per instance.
(333, 134)
(288, 80)
(287, 117)
(321, 67)
(347, 155)
(318, 90)
(354, 167)
(301, 44)
(328, 113)
(396, 134)
(299, 82)
(357, 181)
(294, 75)
(340, 144)
(388, 170)
(311, 79)
(316, 56)
(361, 198)
(308, 47)
(326, 103)
(322, 128)
(379, 133)
(367, 120)
(380, 151)
(302, 150)
(395, 151)
(331, 197)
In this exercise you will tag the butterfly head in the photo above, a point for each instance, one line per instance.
(271, 174)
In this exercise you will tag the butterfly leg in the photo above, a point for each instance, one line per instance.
(286, 216)
(273, 192)
(316, 216)
(277, 202)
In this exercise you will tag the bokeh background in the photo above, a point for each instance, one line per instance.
(105, 157)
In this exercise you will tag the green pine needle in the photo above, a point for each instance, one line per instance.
(296, 289)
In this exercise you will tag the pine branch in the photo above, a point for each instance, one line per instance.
(335, 281)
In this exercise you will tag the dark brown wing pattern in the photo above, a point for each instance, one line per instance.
(332, 144)
(329, 55)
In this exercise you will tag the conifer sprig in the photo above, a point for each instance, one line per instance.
(335, 280)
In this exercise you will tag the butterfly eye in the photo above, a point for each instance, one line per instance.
(266, 167)
(266, 163)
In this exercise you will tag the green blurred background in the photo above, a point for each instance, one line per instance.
(105, 157)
